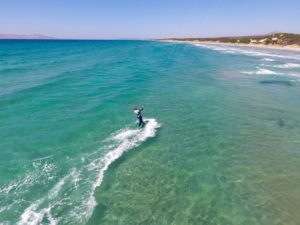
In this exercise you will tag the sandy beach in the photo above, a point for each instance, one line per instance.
(280, 47)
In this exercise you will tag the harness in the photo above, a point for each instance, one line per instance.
(138, 113)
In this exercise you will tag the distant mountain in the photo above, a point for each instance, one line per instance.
(30, 36)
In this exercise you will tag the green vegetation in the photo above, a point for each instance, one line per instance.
(272, 39)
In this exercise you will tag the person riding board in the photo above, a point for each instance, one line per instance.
(138, 114)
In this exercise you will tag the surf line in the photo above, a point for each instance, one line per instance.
(125, 140)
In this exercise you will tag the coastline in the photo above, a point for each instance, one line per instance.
(295, 48)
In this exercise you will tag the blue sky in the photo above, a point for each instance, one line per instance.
(140, 19)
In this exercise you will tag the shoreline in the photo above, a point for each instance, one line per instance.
(295, 48)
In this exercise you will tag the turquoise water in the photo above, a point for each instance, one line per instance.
(221, 146)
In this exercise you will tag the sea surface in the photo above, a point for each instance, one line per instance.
(221, 146)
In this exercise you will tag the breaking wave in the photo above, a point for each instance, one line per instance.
(251, 51)
(261, 71)
(268, 59)
(287, 66)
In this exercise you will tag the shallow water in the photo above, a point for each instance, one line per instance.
(221, 146)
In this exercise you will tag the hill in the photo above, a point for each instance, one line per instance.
(281, 39)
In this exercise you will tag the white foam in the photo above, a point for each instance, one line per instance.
(261, 71)
(268, 59)
(126, 139)
(287, 66)
(4, 208)
(5, 223)
(58, 186)
(28, 180)
(43, 158)
(294, 74)
(97, 163)
(32, 215)
(250, 51)
(124, 134)
(75, 177)
(9, 187)
(19, 187)
(265, 71)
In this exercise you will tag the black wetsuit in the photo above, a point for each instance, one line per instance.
(139, 116)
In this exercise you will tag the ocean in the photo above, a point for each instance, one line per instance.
(221, 146)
